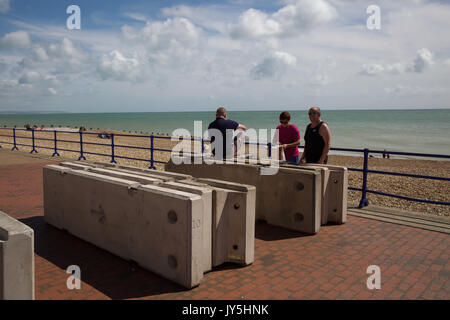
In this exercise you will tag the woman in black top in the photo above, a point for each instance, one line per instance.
(317, 139)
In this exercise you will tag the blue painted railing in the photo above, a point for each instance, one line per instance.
(365, 170)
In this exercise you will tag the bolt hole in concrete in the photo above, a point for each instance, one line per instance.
(172, 261)
(172, 216)
(300, 186)
(235, 247)
(298, 217)
(236, 206)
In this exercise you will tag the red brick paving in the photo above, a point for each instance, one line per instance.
(288, 265)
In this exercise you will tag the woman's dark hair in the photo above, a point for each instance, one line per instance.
(286, 116)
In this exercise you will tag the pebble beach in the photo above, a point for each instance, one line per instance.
(97, 149)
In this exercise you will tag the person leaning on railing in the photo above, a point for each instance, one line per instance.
(289, 138)
(317, 139)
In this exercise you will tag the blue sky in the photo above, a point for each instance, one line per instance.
(247, 55)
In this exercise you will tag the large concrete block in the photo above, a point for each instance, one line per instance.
(55, 206)
(290, 199)
(16, 259)
(207, 203)
(159, 228)
(91, 206)
(233, 221)
(336, 191)
(168, 239)
(325, 189)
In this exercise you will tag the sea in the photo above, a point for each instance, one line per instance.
(419, 131)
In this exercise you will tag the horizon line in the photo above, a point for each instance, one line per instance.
(213, 110)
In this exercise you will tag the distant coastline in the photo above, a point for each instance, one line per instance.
(34, 112)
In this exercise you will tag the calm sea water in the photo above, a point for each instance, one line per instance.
(424, 131)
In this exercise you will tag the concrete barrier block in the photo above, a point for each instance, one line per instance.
(16, 259)
(235, 226)
(233, 221)
(55, 206)
(337, 189)
(207, 203)
(93, 207)
(170, 235)
(131, 221)
(290, 199)
(326, 196)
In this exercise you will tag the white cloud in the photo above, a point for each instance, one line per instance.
(172, 43)
(4, 6)
(273, 65)
(15, 40)
(135, 16)
(254, 23)
(289, 20)
(115, 66)
(372, 69)
(423, 59)
(29, 77)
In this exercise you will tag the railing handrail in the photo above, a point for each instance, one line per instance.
(365, 170)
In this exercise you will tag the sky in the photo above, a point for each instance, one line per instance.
(166, 55)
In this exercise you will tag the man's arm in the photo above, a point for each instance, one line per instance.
(326, 135)
(241, 126)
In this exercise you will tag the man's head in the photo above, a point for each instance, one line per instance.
(314, 114)
(285, 117)
(221, 113)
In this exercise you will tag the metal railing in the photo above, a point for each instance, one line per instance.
(365, 170)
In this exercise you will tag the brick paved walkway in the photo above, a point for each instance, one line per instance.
(288, 265)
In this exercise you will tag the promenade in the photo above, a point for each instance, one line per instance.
(412, 252)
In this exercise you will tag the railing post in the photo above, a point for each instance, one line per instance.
(269, 148)
(32, 138)
(152, 161)
(56, 149)
(364, 202)
(15, 145)
(112, 149)
(81, 147)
